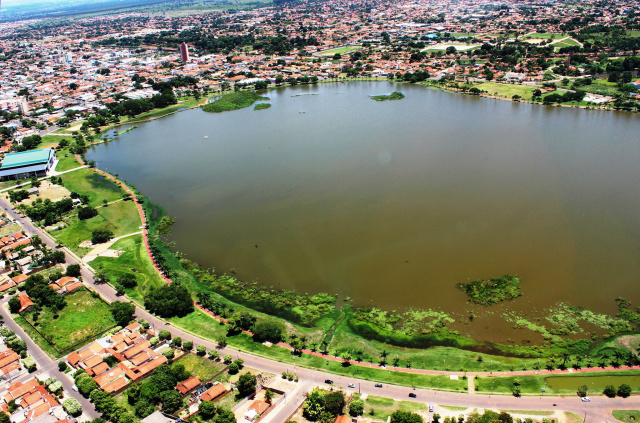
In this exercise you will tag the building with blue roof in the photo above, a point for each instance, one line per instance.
(27, 164)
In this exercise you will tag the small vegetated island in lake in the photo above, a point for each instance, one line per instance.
(492, 291)
(393, 96)
(233, 101)
(262, 106)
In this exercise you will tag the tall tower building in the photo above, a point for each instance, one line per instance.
(184, 52)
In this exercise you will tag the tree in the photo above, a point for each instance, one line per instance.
(62, 366)
(171, 401)
(14, 304)
(356, 407)
(169, 301)
(334, 402)
(268, 396)
(582, 391)
(201, 350)
(187, 346)
(268, 330)
(624, 390)
(73, 270)
(72, 407)
(233, 369)
(164, 334)
(246, 384)
(86, 212)
(225, 416)
(169, 353)
(207, 409)
(128, 280)
(4, 417)
(122, 312)
(100, 236)
(609, 391)
(399, 416)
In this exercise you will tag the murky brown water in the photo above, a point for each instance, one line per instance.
(393, 203)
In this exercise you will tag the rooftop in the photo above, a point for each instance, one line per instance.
(25, 158)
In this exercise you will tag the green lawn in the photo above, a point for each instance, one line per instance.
(121, 218)
(627, 416)
(133, 260)
(381, 408)
(35, 336)
(184, 104)
(340, 50)
(506, 90)
(533, 384)
(66, 161)
(634, 34)
(84, 317)
(97, 187)
(201, 367)
(10, 229)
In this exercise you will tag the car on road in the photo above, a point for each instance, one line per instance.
(412, 395)
(430, 408)
(586, 399)
(328, 382)
(351, 385)
(75, 388)
(378, 385)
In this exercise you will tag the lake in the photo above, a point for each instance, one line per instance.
(393, 203)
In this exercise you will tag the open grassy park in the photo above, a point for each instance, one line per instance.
(506, 90)
(97, 187)
(84, 317)
(134, 260)
(121, 218)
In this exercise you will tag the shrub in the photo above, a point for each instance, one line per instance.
(62, 366)
(29, 364)
(227, 358)
(169, 353)
(609, 391)
(201, 350)
(187, 346)
(176, 342)
(624, 390)
(233, 369)
(154, 341)
(164, 335)
(72, 407)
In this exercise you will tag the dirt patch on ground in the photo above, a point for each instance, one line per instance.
(50, 191)
(630, 342)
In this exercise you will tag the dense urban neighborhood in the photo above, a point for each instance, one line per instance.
(102, 321)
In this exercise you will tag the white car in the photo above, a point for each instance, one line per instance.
(75, 388)
(430, 408)
(586, 399)
(351, 385)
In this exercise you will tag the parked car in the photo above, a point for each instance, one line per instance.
(412, 395)
(75, 388)
(586, 399)
(378, 385)
(328, 382)
(351, 385)
(430, 408)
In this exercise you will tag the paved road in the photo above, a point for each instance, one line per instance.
(598, 410)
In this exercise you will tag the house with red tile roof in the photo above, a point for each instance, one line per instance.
(214, 393)
(189, 385)
(25, 302)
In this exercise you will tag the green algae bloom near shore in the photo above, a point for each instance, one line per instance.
(262, 106)
(393, 96)
(492, 291)
(233, 101)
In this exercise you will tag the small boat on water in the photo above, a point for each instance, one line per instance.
(206, 136)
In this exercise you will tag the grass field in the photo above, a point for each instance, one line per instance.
(121, 218)
(36, 337)
(543, 36)
(340, 50)
(627, 416)
(381, 408)
(66, 161)
(82, 318)
(133, 260)
(97, 187)
(634, 34)
(533, 384)
(506, 90)
(10, 229)
(202, 367)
